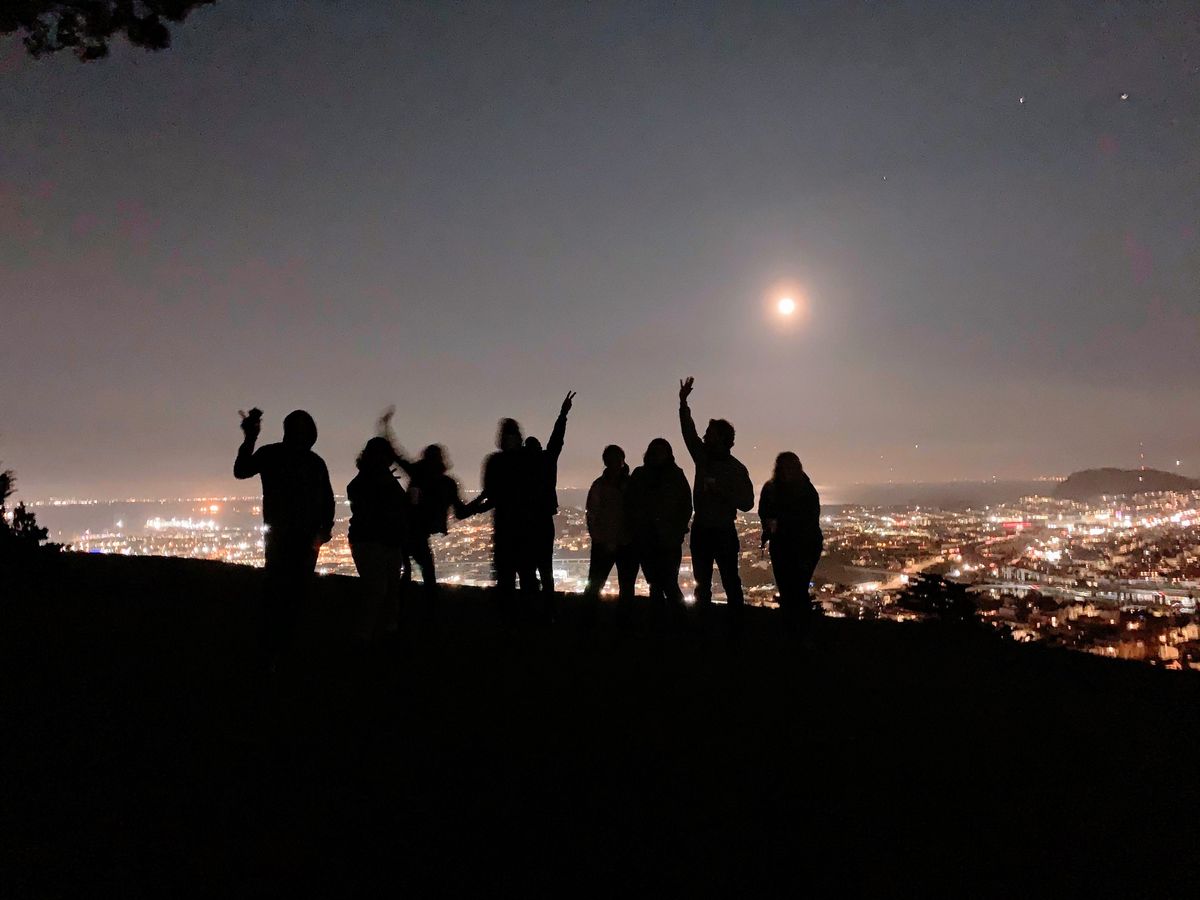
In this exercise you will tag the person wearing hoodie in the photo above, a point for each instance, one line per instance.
(434, 493)
(298, 512)
(658, 506)
(790, 509)
(721, 488)
(608, 528)
(379, 526)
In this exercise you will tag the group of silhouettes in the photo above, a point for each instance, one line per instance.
(636, 521)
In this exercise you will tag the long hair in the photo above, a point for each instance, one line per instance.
(508, 427)
(788, 469)
(377, 453)
(661, 447)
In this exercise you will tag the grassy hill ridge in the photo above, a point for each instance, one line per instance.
(144, 759)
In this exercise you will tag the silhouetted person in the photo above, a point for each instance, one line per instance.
(608, 527)
(298, 512)
(659, 507)
(790, 509)
(722, 487)
(513, 488)
(379, 524)
(433, 494)
(546, 464)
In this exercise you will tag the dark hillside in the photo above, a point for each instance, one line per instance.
(1090, 484)
(888, 758)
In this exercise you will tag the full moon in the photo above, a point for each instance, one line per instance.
(786, 306)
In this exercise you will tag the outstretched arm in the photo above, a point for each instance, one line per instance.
(485, 501)
(557, 436)
(461, 510)
(691, 439)
(246, 466)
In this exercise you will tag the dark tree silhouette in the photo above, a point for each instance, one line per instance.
(939, 599)
(7, 486)
(25, 529)
(24, 533)
(85, 27)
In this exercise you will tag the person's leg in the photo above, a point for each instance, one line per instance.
(728, 551)
(422, 556)
(627, 568)
(504, 561)
(289, 568)
(389, 615)
(806, 567)
(545, 568)
(703, 556)
(545, 554)
(787, 580)
(651, 566)
(371, 560)
(600, 565)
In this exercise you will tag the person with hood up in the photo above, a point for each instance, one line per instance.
(298, 513)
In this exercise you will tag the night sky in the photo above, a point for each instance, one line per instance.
(467, 209)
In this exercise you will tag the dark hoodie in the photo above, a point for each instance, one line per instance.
(297, 495)
(794, 507)
(659, 504)
(722, 485)
(606, 516)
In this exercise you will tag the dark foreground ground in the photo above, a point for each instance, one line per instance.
(139, 759)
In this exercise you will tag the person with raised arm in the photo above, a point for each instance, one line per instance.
(721, 488)
(298, 511)
(546, 464)
(790, 509)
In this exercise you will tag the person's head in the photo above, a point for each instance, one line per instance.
(299, 430)
(614, 458)
(787, 467)
(533, 444)
(434, 456)
(658, 453)
(719, 435)
(376, 454)
(508, 437)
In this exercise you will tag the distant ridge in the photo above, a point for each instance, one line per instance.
(1089, 484)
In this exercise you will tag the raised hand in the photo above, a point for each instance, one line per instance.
(685, 388)
(251, 422)
(566, 404)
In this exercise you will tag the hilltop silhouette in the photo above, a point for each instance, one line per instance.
(140, 760)
(1090, 484)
